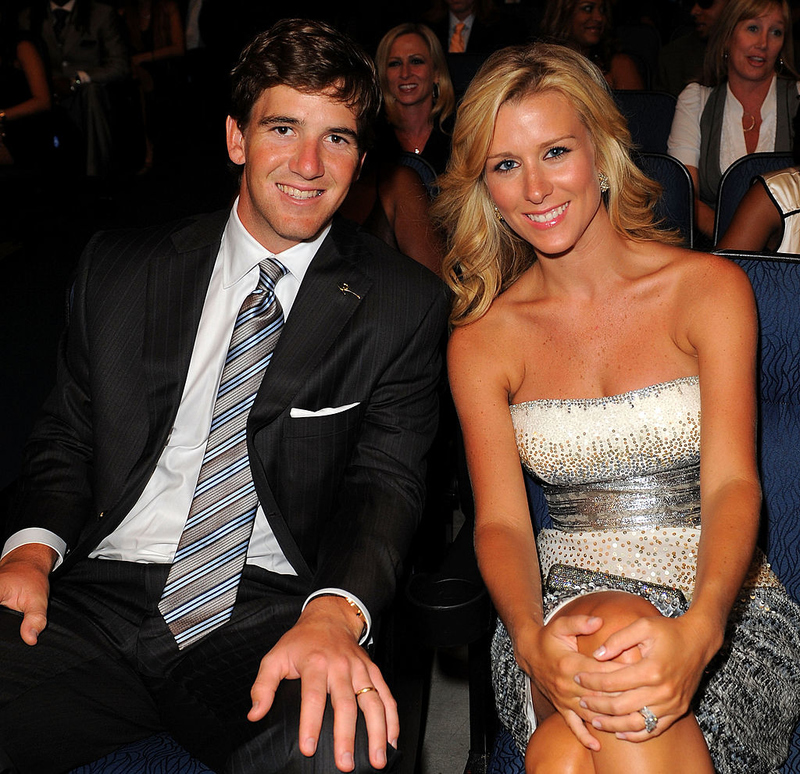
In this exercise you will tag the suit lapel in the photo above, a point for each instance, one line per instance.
(332, 289)
(176, 290)
(318, 315)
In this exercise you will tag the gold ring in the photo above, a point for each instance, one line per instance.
(365, 690)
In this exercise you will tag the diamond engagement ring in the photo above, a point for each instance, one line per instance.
(650, 720)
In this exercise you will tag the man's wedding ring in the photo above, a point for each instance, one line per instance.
(372, 688)
(650, 720)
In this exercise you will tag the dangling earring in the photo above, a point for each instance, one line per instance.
(780, 66)
(602, 178)
(435, 92)
(500, 218)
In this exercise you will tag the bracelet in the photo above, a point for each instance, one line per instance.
(356, 609)
(76, 83)
(359, 613)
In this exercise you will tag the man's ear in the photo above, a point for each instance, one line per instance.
(235, 140)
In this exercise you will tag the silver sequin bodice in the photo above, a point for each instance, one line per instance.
(626, 461)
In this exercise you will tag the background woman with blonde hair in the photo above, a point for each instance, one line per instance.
(746, 103)
(418, 94)
(585, 345)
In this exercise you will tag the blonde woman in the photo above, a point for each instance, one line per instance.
(746, 103)
(586, 344)
(417, 92)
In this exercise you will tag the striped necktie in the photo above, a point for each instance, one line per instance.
(201, 586)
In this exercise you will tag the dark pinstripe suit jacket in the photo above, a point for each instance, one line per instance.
(343, 493)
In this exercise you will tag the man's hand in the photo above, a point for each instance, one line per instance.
(322, 650)
(24, 586)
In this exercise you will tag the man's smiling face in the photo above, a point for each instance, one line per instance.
(300, 157)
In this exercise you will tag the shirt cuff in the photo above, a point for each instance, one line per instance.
(365, 637)
(37, 535)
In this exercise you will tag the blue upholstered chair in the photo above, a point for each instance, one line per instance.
(159, 754)
(736, 181)
(649, 115)
(675, 207)
(776, 282)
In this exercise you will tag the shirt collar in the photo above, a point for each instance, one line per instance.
(241, 251)
(66, 7)
(455, 20)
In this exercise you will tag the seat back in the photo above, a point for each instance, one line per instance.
(736, 181)
(776, 283)
(649, 115)
(423, 168)
(676, 205)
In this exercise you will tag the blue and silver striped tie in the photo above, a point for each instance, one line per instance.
(201, 586)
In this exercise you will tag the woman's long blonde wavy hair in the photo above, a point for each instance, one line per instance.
(484, 255)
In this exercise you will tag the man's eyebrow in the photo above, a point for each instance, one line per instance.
(277, 120)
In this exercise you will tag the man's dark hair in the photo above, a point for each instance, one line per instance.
(311, 57)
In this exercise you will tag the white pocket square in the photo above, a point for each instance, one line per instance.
(296, 413)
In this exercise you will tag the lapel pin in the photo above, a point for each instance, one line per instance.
(345, 288)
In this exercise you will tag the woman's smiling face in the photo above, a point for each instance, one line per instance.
(541, 172)
(409, 70)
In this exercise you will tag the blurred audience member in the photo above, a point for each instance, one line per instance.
(681, 61)
(86, 52)
(768, 217)
(585, 26)
(746, 103)
(24, 98)
(473, 26)
(157, 44)
(418, 95)
(390, 201)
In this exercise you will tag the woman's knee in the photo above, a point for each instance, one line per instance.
(617, 609)
(554, 748)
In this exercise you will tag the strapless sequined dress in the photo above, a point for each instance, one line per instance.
(621, 477)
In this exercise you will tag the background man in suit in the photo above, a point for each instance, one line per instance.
(85, 52)
(138, 637)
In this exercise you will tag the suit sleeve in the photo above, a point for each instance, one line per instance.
(114, 63)
(381, 499)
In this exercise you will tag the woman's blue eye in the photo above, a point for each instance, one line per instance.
(505, 165)
(556, 152)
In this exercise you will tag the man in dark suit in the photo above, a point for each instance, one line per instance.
(120, 472)
(86, 53)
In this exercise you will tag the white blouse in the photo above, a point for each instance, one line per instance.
(684, 137)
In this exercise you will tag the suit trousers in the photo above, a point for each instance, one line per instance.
(106, 672)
